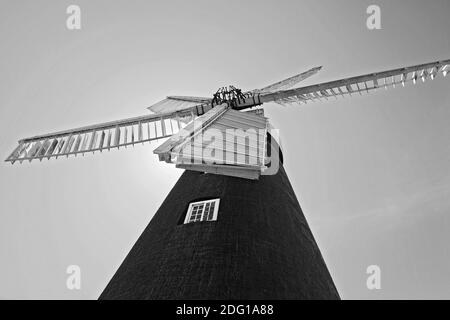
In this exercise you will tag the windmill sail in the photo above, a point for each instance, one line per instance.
(361, 84)
(289, 82)
(177, 103)
(103, 136)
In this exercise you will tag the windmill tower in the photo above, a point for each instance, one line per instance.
(231, 228)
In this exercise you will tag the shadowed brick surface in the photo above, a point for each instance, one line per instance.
(260, 247)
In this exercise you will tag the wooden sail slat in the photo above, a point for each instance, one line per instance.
(60, 146)
(45, 146)
(101, 141)
(34, 149)
(93, 140)
(403, 78)
(305, 98)
(311, 97)
(140, 132)
(41, 152)
(67, 145)
(70, 145)
(393, 81)
(132, 134)
(359, 88)
(349, 88)
(163, 127)
(445, 70)
(414, 77)
(316, 96)
(108, 141)
(24, 152)
(334, 93)
(84, 144)
(117, 137)
(366, 87)
(376, 83)
(51, 149)
(324, 94)
(433, 72)
(385, 83)
(77, 143)
(171, 126)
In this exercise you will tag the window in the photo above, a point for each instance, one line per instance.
(202, 211)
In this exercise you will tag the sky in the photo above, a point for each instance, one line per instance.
(370, 172)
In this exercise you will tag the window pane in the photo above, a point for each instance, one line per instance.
(211, 215)
(202, 211)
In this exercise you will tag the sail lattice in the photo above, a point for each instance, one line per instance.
(360, 84)
(103, 136)
(289, 82)
(177, 103)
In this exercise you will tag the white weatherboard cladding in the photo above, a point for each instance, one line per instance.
(233, 144)
(236, 136)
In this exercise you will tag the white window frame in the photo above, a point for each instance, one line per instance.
(190, 210)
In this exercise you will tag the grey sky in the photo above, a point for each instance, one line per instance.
(371, 173)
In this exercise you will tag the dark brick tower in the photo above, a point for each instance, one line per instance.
(260, 246)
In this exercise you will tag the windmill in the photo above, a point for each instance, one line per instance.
(231, 228)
